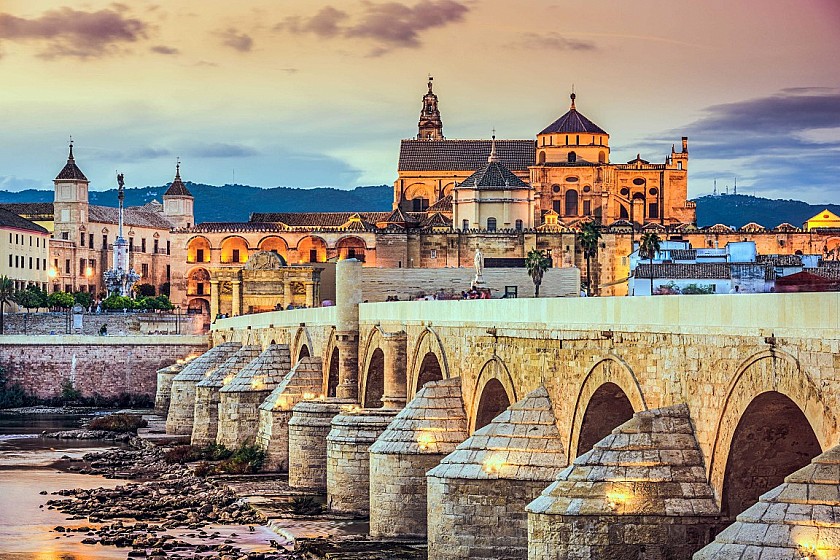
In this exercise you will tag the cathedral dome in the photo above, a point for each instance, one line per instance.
(573, 122)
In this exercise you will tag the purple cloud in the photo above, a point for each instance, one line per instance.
(237, 41)
(163, 49)
(390, 25)
(67, 32)
(553, 42)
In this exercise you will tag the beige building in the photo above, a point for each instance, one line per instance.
(493, 198)
(84, 233)
(24, 251)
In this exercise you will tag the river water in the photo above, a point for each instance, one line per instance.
(27, 467)
(25, 470)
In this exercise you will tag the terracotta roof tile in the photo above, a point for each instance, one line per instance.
(442, 205)
(31, 210)
(493, 176)
(699, 271)
(464, 155)
(134, 216)
(71, 171)
(11, 220)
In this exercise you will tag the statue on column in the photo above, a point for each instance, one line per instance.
(478, 262)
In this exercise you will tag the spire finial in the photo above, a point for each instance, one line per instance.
(431, 79)
(70, 157)
(177, 168)
(572, 97)
(493, 157)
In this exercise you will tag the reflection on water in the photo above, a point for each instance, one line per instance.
(25, 528)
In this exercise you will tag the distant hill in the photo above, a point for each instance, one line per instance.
(234, 203)
(737, 210)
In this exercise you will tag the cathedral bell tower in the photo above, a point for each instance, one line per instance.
(70, 202)
(178, 202)
(430, 126)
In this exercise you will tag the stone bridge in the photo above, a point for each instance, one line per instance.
(634, 427)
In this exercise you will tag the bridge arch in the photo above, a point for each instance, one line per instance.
(767, 381)
(494, 392)
(302, 346)
(609, 382)
(370, 364)
(330, 363)
(428, 343)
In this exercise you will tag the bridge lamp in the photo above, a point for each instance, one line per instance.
(308, 396)
(89, 272)
(52, 273)
(618, 497)
(493, 464)
(808, 551)
(424, 440)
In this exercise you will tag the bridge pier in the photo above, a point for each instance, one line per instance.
(206, 415)
(303, 382)
(396, 353)
(163, 393)
(641, 492)
(477, 495)
(308, 429)
(239, 400)
(179, 421)
(348, 296)
(423, 433)
(798, 519)
(348, 460)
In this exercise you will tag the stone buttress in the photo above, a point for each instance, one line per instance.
(477, 495)
(799, 519)
(303, 382)
(423, 433)
(348, 461)
(239, 400)
(308, 429)
(206, 416)
(641, 492)
(179, 421)
(163, 392)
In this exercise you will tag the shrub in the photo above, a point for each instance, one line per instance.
(190, 453)
(69, 393)
(85, 299)
(119, 422)
(62, 300)
(247, 459)
(305, 505)
(145, 290)
(115, 302)
(13, 395)
(698, 290)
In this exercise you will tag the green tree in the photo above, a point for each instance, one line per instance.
(648, 247)
(145, 290)
(537, 262)
(7, 295)
(589, 236)
(117, 302)
(32, 297)
(61, 300)
(85, 299)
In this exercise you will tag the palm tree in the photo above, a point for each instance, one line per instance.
(537, 262)
(648, 247)
(7, 295)
(589, 236)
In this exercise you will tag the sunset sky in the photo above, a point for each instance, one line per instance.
(305, 93)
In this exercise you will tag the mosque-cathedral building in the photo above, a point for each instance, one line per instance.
(451, 197)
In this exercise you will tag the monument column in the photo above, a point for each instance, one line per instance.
(310, 293)
(214, 299)
(287, 292)
(394, 347)
(348, 295)
(236, 306)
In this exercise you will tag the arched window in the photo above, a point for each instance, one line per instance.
(602, 157)
(491, 224)
(518, 225)
(542, 155)
(572, 157)
(571, 203)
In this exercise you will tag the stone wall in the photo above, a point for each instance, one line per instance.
(379, 283)
(105, 366)
(120, 324)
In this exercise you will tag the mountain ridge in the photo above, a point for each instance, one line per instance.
(234, 203)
